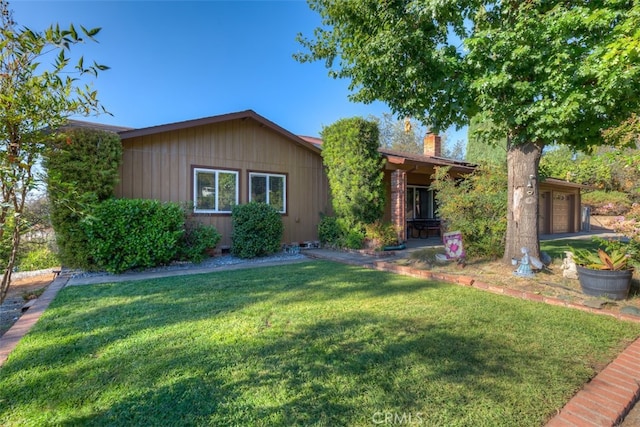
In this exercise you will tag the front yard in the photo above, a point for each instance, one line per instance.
(316, 343)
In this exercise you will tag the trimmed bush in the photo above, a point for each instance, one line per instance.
(82, 170)
(355, 170)
(126, 234)
(257, 230)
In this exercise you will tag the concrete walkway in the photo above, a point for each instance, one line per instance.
(604, 401)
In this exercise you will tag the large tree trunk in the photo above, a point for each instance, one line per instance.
(522, 219)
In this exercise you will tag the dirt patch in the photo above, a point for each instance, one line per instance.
(19, 293)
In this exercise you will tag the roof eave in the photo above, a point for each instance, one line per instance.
(247, 114)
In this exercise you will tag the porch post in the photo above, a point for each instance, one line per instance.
(398, 203)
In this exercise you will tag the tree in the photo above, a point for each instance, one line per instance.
(542, 72)
(401, 135)
(34, 101)
(354, 168)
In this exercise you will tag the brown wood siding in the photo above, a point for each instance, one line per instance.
(561, 213)
(159, 166)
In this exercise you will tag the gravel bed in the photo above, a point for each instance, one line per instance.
(209, 263)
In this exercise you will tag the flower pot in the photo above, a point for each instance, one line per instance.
(612, 284)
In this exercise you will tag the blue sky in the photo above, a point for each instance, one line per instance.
(180, 60)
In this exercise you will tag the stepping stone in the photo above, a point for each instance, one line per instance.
(594, 303)
(629, 309)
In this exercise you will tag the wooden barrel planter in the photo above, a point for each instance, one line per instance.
(612, 284)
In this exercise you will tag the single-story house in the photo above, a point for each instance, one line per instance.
(216, 162)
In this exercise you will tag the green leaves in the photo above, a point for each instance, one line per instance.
(546, 72)
(354, 168)
(134, 233)
(257, 230)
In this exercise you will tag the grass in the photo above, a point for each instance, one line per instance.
(556, 248)
(315, 343)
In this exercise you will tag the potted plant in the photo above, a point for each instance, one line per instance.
(604, 274)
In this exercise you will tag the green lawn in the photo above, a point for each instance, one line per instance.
(556, 248)
(316, 343)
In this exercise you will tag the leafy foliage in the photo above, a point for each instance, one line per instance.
(354, 168)
(37, 257)
(381, 234)
(606, 168)
(329, 231)
(482, 150)
(134, 233)
(607, 202)
(600, 260)
(35, 98)
(629, 226)
(477, 207)
(257, 230)
(196, 240)
(82, 171)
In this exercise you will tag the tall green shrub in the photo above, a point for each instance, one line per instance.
(355, 170)
(124, 234)
(477, 207)
(82, 170)
(257, 230)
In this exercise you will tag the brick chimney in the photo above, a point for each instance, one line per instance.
(432, 145)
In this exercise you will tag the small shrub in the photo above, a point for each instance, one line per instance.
(196, 240)
(257, 230)
(329, 231)
(133, 233)
(607, 202)
(353, 239)
(381, 234)
(37, 257)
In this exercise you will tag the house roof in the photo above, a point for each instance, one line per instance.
(410, 159)
(241, 115)
(75, 124)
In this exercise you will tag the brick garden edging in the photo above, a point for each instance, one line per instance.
(12, 337)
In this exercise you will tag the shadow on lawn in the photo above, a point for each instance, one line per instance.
(195, 350)
(330, 373)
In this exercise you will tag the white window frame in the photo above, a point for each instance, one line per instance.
(268, 176)
(217, 173)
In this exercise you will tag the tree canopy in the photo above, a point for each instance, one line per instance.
(549, 71)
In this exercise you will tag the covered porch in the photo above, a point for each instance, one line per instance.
(412, 207)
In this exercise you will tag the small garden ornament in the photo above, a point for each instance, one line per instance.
(569, 270)
(524, 269)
